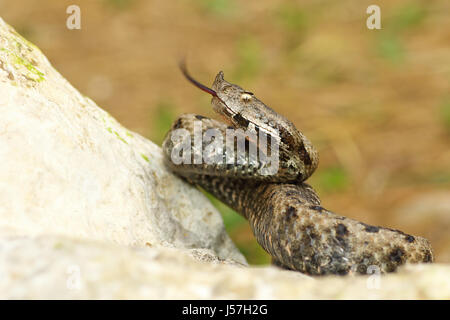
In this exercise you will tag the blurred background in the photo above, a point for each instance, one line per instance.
(375, 103)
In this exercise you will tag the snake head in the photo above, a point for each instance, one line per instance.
(228, 99)
(242, 109)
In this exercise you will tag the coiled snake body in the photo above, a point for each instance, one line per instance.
(284, 212)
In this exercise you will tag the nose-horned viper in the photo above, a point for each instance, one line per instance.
(284, 212)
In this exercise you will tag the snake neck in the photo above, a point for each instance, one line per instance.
(251, 199)
(233, 192)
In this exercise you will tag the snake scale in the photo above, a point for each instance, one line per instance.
(283, 211)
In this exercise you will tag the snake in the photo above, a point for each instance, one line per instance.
(284, 212)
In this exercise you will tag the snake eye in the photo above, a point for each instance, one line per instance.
(246, 96)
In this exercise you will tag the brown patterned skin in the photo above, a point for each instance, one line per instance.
(284, 212)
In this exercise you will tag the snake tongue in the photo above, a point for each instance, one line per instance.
(195, 82)
(217, 84)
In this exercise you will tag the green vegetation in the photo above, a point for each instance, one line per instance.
(253, 252)
(217, 7)
(249, 58)
(119, 4)
(162, 120)
(236, 225)
(292, 18)
(444, 112)
(231, 218)
(390, 47)
(407, 16)
(329, 180)
(438, 177)
(389, 42)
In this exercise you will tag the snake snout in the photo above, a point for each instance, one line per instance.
(218, 82)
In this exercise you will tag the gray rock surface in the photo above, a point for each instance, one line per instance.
(68, 168)
(54, 267)
(88, 211)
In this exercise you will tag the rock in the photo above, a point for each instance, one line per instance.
(88, 211)
(55, 267)
(68, 168)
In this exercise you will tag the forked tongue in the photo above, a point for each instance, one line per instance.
(183, 69)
